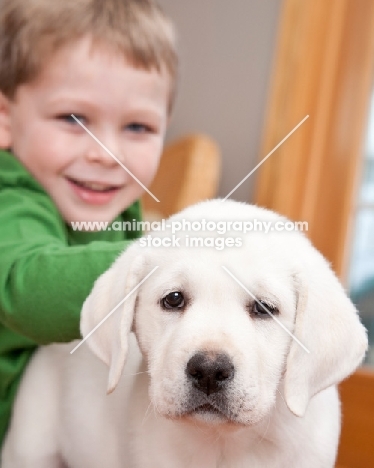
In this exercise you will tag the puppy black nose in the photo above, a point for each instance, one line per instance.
(209, 371)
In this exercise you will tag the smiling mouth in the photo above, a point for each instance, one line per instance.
(94, 186)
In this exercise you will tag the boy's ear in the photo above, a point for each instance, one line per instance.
(5, 133)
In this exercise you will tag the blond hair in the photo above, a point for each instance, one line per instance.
(31, 30)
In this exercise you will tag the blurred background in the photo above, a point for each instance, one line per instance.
(227, 51)
(251, 71)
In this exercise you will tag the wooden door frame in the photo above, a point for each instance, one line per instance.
(323, 68)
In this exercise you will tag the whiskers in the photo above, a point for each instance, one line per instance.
(156, 413)
(271, 413)
(146, 414)
(266, 430)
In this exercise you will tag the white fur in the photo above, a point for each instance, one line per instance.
(281, 409)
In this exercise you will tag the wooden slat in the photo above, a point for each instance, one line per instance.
(189, 172)
(324, 68)
(357, 440)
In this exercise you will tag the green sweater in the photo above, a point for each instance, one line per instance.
(46, 272)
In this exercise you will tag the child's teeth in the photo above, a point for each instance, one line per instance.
(97, 187)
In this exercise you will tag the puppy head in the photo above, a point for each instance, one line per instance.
(218, 322)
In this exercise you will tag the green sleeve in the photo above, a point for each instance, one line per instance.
(43, 281)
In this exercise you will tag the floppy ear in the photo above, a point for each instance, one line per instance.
(113, 294)
(327, 324)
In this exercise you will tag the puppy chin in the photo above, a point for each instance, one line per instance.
(213, 420)
(209, 421)
(217, 418)
(206, 417)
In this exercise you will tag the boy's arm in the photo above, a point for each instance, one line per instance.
(43, 281)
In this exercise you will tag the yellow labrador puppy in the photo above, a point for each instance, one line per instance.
(239, 339)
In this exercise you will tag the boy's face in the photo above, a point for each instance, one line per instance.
(124, 107)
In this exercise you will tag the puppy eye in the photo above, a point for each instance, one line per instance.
(261, 309)
(173, 300)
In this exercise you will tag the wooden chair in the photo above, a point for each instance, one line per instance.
(356, 448)
(189, 172)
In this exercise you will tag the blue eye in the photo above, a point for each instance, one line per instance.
(138, 128)
(70, 119)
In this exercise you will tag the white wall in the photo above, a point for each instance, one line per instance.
(226, 52)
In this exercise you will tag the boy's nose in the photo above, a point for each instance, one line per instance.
(97, 154)
(103, 150)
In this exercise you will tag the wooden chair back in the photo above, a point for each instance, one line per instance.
(356, 449)
(189, 172)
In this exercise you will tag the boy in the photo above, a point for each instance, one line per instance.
(112, 64)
